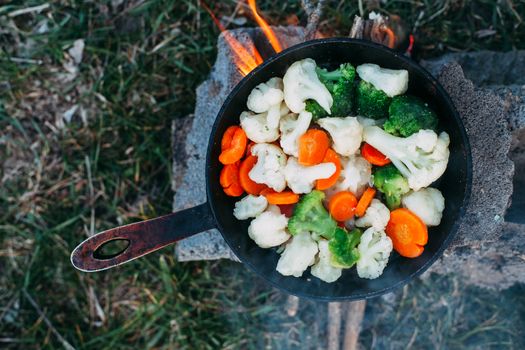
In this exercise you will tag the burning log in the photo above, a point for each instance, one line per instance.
(388, 31)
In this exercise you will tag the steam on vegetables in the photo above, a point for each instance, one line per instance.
(352, 153)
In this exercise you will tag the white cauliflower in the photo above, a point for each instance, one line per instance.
(249, 207)
(292, 127)
(364, 121)
(422, 157)
(346, 133)
(256, 127)
(267, 97)
(323, 269)
(355, 175)
(269, 169)
(427, 203)
(298, 255)
(301, 179)
(374, 250)
(392, 82)
(377, 216)
(301, 83)
(268, 229)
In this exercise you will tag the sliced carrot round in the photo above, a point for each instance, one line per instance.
(233, 149)
(364, 201)
(229, 180)
(342, 205)
(285, 197)
(408, 232)
(246, 182)
(373, 156)
(330, 157)
(313, 145)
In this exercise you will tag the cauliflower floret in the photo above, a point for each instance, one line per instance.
(374, 249)
(377, 216)
(249, 207)
(421, 157)
(427, 203)
(298, 255)
(268, 229)
(301, 83)
(301, 179)
(364, 121)
(267, 97)
(269, 169)
(323, 269)
(392, 82)
(346, 133)
(256, 127)
(355, 175)
(292, 127)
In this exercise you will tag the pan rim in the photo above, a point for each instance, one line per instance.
(441, 91)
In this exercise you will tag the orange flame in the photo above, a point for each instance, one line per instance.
(265, 27)
(243, 59)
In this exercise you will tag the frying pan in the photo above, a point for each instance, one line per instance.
(455, 184)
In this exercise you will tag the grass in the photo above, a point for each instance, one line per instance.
(110, 165)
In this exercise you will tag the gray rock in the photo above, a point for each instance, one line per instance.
(485, 244)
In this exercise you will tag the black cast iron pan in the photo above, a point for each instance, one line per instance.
(147, 236)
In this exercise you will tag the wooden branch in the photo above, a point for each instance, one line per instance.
(334, 325)
(314, 12)
(354, 317)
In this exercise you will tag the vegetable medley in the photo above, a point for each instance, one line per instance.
(336, 167)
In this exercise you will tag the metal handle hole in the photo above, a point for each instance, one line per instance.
(111, 249)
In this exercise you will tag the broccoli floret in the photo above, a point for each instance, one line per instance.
(343, 247)
(371, 102)
(315, 108)
(310, 215)
(389, 181)
(340, 83)
(408, 115)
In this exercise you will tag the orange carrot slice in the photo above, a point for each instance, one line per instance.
(248, 184)
(313, 145)
(373, 156)
(364, 201)
(330, 157)
(233, 149)
(342, 205)
(285, 197)
(408, 232)
(229, 180)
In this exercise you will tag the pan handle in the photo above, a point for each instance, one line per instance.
(142, 238)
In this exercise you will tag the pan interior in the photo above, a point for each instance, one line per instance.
(454, 184)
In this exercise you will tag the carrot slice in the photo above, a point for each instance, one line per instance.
(365, 201)
(408, 232)
(250, 186)
(342, 205)
(233, 150)
(373, 156)
(330, 157)
(313, 145)
(227, 137)
(229, 180)
(285, 197)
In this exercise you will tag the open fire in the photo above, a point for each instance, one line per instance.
(377, 28)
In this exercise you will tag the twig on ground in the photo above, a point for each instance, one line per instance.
(38, 8)
(334, 325)
(91, 197)
(314, 12)
(292, 305)
(354, 317)
(53, 330)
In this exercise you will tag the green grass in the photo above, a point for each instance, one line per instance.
(141, 65)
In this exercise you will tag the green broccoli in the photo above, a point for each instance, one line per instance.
(408, 115)
(340, 83)
(389, 181)
(343, 247)
(371, 102)
(310, 215)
